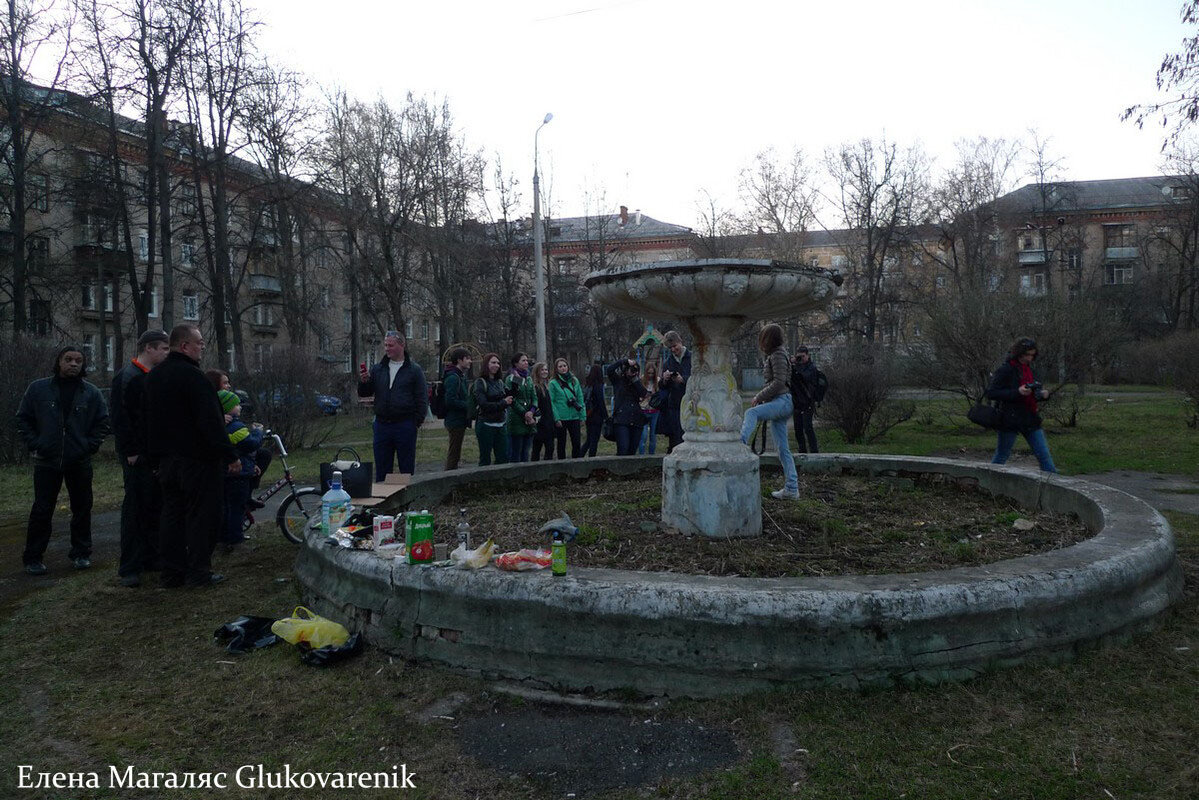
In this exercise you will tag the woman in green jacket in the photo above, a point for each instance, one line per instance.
(521, 424)
(566, 396)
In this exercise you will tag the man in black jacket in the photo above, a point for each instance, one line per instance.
(187, 443)
(62, 420)
(143, 498)
(676, 371)
(804, 392)
(401, 402)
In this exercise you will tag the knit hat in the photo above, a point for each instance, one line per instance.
(229, 400)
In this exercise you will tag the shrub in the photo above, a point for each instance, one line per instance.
(284, 396)
(859, 403)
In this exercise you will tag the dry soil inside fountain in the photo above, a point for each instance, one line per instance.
(843, 525)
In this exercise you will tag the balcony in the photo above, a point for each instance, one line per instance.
(1121, 253)
(1032, 256)
(265, 283)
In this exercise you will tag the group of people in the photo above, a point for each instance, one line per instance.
(189, 463)
(187, 460)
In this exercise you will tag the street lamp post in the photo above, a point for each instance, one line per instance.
(538, 267)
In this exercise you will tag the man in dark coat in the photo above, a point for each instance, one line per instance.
(143, 498)
(457, 390)
(62, 421)
(401, 403)
(676, 371)
(186, 439)
(803, 393)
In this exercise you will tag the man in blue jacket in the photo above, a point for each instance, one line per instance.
(62, 421)
(401, 402)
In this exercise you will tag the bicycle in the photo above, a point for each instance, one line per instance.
(295, 513)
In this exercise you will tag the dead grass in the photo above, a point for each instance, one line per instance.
(842, 525)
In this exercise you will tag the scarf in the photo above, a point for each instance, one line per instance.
(1026, 377)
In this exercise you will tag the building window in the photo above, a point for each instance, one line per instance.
(39, 193)
(187, 253)
(39, 317)
(153, 312)
(262, 356)
(940, 281)
(325, 297)
(1032, 284)
(424, 328)
(1027, 242)
(108, 296)
(186, 205)
(143, 246)
(326, 344)
(408, 329)
(1118, 274)
(89, 350)
(88, 298)
(348, 319)
(110, 349)
(1074, 258)
(191, 307)
(1119, 235)
(264, 314)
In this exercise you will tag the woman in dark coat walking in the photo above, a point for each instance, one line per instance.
(1017, 389)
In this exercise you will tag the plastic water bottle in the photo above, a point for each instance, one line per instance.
(335, 505)
(463, 529)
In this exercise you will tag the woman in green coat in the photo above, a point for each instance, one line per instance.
(521, 424)
(566, 397)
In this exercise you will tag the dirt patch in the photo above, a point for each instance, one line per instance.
(576, 752)
(842, 525)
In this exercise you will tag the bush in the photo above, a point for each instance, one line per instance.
(858, 402)
(23, 360)
(284, 396)
(1184, 356)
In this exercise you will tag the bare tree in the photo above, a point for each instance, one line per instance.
(1179, 74)
(718, 230)
(779, 196)
(28, 31)
(508, 268)
(878, 188)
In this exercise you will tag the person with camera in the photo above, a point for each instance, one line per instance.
(566, 397)
(676, 370)
(492, 401)
(522, 423)
(628, 392)
(597, 409)
(401, 403)
(773, 405)
(1016, 387)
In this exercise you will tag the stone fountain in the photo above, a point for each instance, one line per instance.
(711, 483)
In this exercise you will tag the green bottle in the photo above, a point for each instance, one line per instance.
(558, 556)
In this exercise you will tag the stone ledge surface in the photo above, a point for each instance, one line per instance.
(663, 633)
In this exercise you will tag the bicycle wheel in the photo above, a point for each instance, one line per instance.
(297, 512)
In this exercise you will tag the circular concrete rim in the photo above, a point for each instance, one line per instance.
(664, 633)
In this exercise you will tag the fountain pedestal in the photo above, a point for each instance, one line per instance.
(711, 483)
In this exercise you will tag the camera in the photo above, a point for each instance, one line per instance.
(572, 403)
(1034, 387)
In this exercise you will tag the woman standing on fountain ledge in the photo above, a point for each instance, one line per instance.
(774, 405)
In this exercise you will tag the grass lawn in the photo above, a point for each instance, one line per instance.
(97, 675)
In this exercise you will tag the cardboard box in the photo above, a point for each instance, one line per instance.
(397, 479)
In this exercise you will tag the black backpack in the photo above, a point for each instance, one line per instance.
(805, 390)
(437, 399)
(820, 388)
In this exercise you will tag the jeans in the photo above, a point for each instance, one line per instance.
(1036, 440)
(519, 445)
(805, 431)
(776, 413)
(627, 437)
(394, 441)
(237, 492)
(594, 434)
(47, 481)
(649, 435)
(569, 427)
(492, 440)
(139, 519)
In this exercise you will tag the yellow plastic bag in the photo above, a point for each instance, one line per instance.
(304, 626)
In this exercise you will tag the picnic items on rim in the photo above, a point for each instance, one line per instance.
(561, 525)
(523, 560)
(473, 559)
(311, 629)
(355, 474)
(418, 535)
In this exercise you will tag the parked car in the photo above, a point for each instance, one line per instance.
(297, 397)
(328, 404)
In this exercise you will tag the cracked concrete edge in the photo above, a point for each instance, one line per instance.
(699, 635)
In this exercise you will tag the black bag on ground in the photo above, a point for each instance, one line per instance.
(247, 633)
(356, 475)
(988, 415)
(324, 656)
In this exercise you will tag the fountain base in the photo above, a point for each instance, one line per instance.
(712, 487)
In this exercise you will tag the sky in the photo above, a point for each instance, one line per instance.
(658, 101)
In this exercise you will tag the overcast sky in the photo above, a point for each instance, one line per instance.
(657, 100)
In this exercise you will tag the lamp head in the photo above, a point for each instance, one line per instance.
(548, 117)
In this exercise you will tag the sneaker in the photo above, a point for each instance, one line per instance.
(254, 505)
(785, 494)
(213, 579)
(81, 562)
(36, 568)
(131, 581)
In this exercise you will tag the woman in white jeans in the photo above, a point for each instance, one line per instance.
(774, 405)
